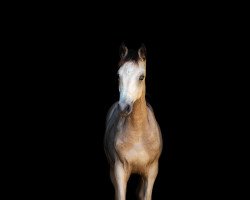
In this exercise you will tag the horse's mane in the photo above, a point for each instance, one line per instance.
(150, 107)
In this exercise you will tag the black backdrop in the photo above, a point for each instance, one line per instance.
(76, 70)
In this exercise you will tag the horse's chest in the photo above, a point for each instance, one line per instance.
(134, 154)
(137, 154)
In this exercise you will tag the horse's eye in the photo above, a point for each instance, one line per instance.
(141, 77)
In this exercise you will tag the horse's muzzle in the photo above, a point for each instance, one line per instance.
(125, 109)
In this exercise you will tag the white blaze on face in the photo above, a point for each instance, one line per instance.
(130, 85)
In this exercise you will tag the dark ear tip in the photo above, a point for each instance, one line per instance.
(143, 46)
(123, 45)
(123, 50)
(142, 51)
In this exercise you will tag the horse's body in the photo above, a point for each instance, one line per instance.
(132, 140)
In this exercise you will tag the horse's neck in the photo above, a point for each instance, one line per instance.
(138, 116)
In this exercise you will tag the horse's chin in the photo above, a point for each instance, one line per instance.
(125, 114)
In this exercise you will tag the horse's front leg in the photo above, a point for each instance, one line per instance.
(149, 180)
(121, 175)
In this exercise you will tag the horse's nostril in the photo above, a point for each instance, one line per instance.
(127, 109)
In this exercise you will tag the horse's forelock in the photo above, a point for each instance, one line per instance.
(132, 56)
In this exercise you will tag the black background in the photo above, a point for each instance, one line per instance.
(75, 65)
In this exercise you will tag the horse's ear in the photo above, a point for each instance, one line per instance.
(123, 50)
(142, 52)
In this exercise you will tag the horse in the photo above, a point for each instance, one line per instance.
(133, 140)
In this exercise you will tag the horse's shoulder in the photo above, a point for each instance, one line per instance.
(152, 118)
